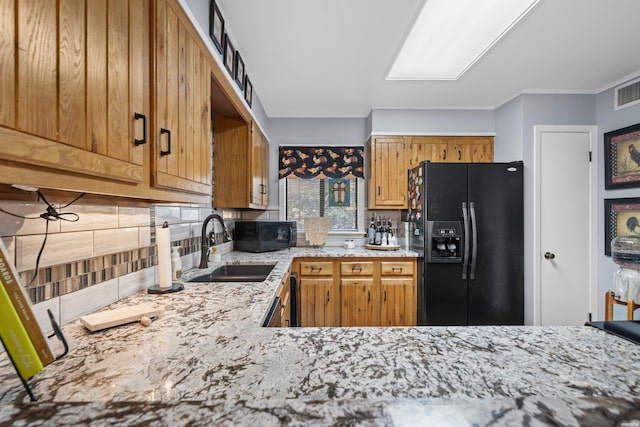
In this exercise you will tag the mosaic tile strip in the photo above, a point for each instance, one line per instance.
(54, 281)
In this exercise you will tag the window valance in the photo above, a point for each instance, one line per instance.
(321, 162)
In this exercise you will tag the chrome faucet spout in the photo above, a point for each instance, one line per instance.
(205, 241)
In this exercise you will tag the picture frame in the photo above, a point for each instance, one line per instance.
(216, 26)
(621, 218)
(239, 71)
(248, 90)
(228, 55)
(622, 158)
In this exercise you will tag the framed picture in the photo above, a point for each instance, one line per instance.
(239, 68)
(621, 218)
(622, 158)
(248, 90)
(216, 26)
(228, 54)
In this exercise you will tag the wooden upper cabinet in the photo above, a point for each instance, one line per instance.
(388, 172)
(427, 148)
(74, 74)
(392, 156)
(259, 168)
(475, 149)
(455, 149)
(241, 170)
(182, 149)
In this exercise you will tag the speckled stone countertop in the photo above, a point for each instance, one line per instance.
(206, 360)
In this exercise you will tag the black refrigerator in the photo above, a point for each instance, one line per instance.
(467, 223)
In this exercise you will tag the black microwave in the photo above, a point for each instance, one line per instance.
(264, 236)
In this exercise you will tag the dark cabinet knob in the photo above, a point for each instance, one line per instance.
(138, 116)
(549, 255)
(168, 150)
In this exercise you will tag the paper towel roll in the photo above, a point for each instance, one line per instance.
(163, 238)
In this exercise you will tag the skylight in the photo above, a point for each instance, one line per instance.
(449, 36)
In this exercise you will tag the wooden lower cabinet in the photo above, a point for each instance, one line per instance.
(357, 291)
(398, 305)
(285, 299)
(318, 292)
(318, 302)
(360, 302)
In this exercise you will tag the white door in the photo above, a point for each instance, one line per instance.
(564, 253)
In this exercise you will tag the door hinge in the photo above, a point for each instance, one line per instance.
(590, 156)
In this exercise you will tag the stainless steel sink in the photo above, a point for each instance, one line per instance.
(236, 273)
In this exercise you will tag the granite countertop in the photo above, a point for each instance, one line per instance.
(206, 360)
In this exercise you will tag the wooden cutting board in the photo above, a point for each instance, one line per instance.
(119, 316)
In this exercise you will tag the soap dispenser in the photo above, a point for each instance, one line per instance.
(176, 264)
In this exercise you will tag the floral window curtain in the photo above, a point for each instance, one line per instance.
(321, 162)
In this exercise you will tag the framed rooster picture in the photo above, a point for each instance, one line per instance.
(621, 218)
(622, 158)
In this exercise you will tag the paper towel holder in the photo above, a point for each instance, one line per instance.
(175, 286)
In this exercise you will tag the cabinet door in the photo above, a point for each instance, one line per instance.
(285, 306)
(398, 307)
(388, 165)
(71, 68)
(259, 168)
(7, 63)
(433, 148)
(360, 302)
(230, 154)
(182, 148)
(318, 302)
(470, 149)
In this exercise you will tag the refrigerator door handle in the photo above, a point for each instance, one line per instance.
(474, 250)
(465, 258)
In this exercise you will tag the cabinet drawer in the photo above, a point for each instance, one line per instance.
(396, 268)
(356, 281)
(399, 281)
(322, 268)
(356, 268)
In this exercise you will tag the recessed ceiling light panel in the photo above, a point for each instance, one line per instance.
(451, 35)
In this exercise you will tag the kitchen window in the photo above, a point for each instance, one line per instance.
(323, 182)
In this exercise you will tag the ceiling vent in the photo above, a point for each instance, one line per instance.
(627, 94)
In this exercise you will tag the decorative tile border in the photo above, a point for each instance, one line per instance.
(62, 279)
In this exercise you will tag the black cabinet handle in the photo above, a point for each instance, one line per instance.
(138, 116)
(168, 132)
(459, 155)
(328, 296)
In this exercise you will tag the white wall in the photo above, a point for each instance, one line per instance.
(517, 119)
(432, 122)
(198, 11)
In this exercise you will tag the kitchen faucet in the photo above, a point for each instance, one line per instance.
(205, 241)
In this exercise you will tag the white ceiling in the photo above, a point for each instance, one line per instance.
(329, 58)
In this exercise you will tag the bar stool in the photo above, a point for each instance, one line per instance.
(610, 300)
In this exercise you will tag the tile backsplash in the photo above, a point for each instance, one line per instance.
(107, 254)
